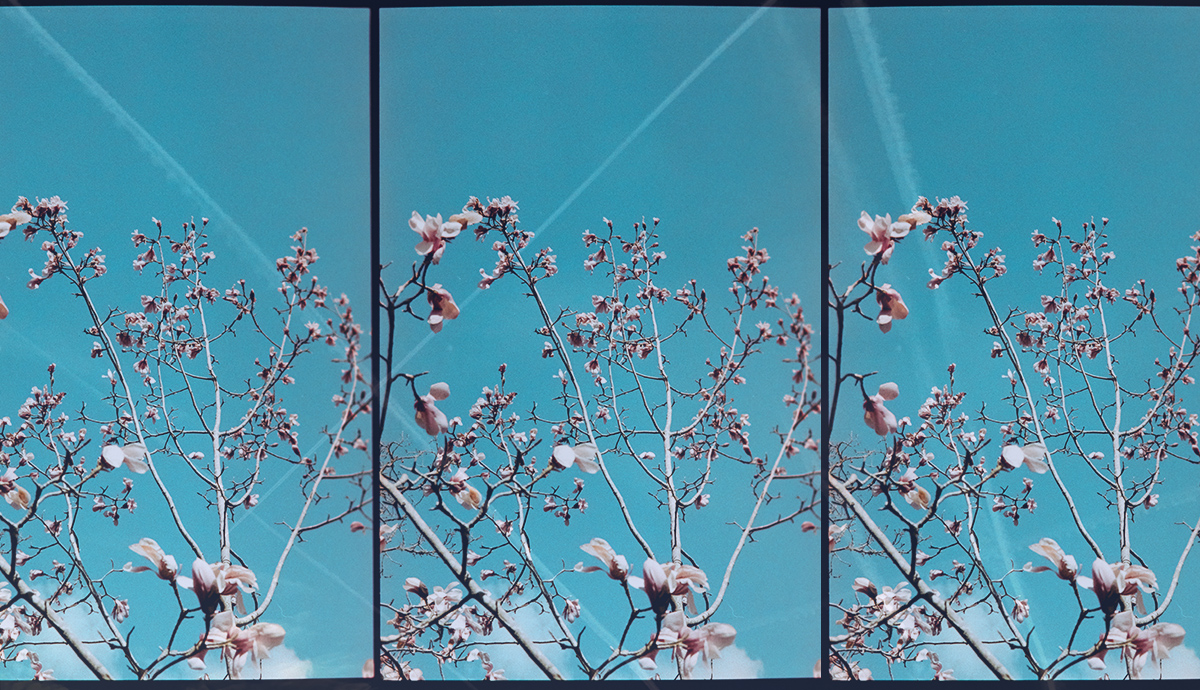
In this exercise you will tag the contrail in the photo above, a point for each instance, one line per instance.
(895, 141)
(887, 116)
(646, 122)
(158, 155)
(407, 420)
(883, 102)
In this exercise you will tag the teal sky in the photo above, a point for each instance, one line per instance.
(1027, 114)
(242, 116)
(707, 118)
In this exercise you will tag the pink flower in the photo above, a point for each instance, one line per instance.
(1138, 646)
(442, 600)
(443, 307)
(415, 586)
(688, 645)
(238, 646)
(891, 306)
(1111, 581)
(1104, 584)
(8, 221)
(661, 581)
(204, 584)
(656, 586)
(467, 495)
(434, 234)
(571, 610)
(16, 495)
(916, 495)
(876, 415)
(235, 579)
(582, 455)
(865, 586)
(132, 456)
(891, 599)
(915, 218)
(1066, 566)
(429, 417)
(618, 567)
(1020, 610)
(165, 564)
(1132, 578)
(1032, 455)
(883, 234)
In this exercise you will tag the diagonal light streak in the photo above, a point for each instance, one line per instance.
(645, 123)
(299, 547)
(407, 420)
(904, 171)
(316, 563)
(895, 140)
(157, 154)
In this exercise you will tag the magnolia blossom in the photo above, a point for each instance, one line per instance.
(618, 567)
(891, 306)
(16, 495)
(442, 600)
(865, 586)
(415, 586)
(876, 415)
(583, 456)
(165, 564)
(915, 218)
(661, 581)
(940, 672)
(1110, 582)
(35, 664)
(915, 494)
(203, 583)
(1032, 455)
(254, 643)
(434, 234)
(8, 221)
(1065, 564)
(443, 306)
(489, 669)
(655, 585)
(884, 234)
(429, 417)
(891, 599)
(1138, 645)
(837, 672)
(467, 495)
(688, 645)
(465, 218)
(132, 456)
(1020, 610)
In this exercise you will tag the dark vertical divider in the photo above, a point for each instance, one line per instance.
(374, 273)
(825, 430)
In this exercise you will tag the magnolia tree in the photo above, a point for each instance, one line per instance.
(935, 489)
(190, 424)
(634, 424)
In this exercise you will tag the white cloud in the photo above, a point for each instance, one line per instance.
(61, 659)
(734, 663)
(1183, 664)
(516, 664)
(961, 658)
(285, 664)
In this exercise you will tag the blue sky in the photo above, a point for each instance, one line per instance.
(239, 115)
(706, 118)
(1039, 113)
